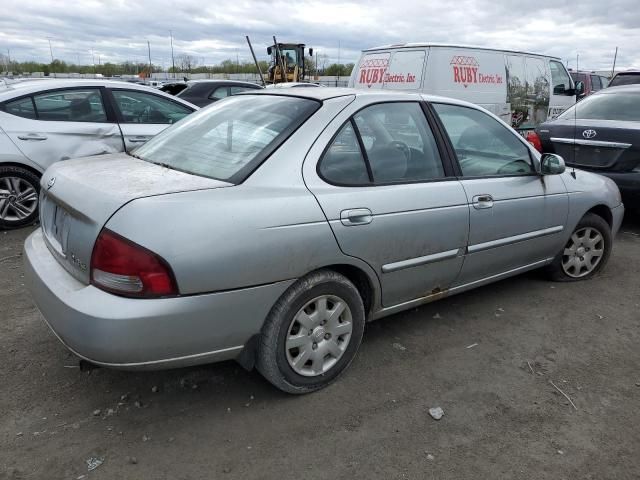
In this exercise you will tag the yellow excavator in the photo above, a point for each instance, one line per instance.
(287, 62)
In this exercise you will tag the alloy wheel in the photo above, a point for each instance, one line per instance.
(18, 199)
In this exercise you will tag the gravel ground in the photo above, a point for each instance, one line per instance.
(486, 357)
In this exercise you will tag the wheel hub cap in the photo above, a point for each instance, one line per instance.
(318, 335)
(18, 199)
(583, 252)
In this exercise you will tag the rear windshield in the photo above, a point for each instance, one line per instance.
(606, 106)
(625, 79)
(230, 139)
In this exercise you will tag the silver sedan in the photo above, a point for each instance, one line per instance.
(270, 227)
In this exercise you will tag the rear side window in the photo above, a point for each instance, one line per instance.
(484, 147)
(343, 162)
(22, 108)
(595, 83)
(559, 77)
(219, 93)
(625, 79)
(71, 106)
(607, 106)
(238, 89)
(230, 139)
(398, 144)
(141, 107)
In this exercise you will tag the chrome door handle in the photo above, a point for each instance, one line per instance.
(139, 139)
(482, 201)
(32, 136)
(356, 216)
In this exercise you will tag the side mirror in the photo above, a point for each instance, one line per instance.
(579, 89)
(311, 52)
(551, 164)
(268, 50)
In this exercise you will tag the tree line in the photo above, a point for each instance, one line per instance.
(183, 64)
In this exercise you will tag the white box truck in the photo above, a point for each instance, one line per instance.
(523, 89)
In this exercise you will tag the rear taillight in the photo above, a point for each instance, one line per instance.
(125, 268)
(533, 138)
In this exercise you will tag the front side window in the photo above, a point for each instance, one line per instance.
(595, 83)
(228, 140)
(71, 106)
(237, 89)
(22, 108)
(623, 106)
(142, 107)
(483, 145)
(559, 77)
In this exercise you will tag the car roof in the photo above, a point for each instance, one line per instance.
(27, 87)
(328, 93)
(635, 88)
(452, 45)
(221, 82)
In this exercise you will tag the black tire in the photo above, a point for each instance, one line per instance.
(271, 359)
(590, 220)
(26, 177)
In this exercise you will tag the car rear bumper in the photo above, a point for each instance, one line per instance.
(629, 185)
(120, 332)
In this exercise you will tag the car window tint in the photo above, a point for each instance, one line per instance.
(607, 106)
(141, 107)
(625, 79)
(237, 89)
(398, 142)
(483, 145)
(559, 78)
(21, 108)
(220, 93)
(71, 106)
(343, 162)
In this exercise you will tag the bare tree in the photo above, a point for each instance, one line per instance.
(187, 62)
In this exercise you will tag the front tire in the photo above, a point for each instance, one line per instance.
(586, 252)
(312, 333)
(19, 191)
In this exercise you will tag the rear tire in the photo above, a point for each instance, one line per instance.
(19, 192)
(586, 252)
(312, 333)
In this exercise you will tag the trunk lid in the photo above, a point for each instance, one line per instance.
(610, 145)
(79, 196)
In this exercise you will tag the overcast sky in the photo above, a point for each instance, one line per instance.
(118, 30)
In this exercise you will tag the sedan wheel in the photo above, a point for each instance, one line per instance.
(585, 253)
(319, 335)
(312, 333)
(19, 190)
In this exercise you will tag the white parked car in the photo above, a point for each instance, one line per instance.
(523, 89)
(42, 122)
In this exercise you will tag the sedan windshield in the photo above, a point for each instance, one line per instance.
(229, 139)
(606, 106)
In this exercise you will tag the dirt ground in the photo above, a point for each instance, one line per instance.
(487, 357)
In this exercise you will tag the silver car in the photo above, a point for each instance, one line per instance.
(269, 227)
(44, 121)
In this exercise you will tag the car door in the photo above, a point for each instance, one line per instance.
(61, 124)
(142, 115)
(516, 215)
(390, 198)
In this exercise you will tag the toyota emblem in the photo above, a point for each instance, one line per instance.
(50, 183)
(589, 133)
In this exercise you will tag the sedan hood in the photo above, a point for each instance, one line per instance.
(79, 196)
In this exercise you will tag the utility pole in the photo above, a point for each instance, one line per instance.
(615, 56)
(339, 67)
(51, 52)
(173, 60)
(150, 66)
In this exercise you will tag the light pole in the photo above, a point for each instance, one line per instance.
(150, 67)
(51, 52)
(173, 60)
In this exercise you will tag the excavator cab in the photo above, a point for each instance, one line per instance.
(287, 62)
